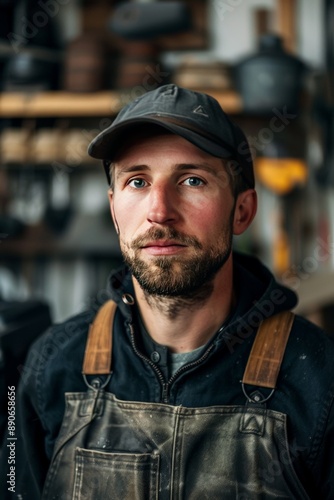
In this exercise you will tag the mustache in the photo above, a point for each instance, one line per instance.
(168, 233)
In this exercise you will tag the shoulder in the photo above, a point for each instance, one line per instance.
(308, 341)
(60, 348)
(53, 367)
(307, 368)
(307, 377)
(68, 332)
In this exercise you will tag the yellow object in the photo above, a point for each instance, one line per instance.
(281, 175)
(281, 252)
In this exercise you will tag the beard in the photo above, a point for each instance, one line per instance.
(187, 277)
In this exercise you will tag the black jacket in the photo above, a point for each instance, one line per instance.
(304, 392)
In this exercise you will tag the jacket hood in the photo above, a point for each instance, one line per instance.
(264, 285)
(259, 296)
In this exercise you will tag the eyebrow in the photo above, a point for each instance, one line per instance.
(198, 166)
(130, 169)
(179, 167)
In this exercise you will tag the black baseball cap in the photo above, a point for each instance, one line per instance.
(195, 116)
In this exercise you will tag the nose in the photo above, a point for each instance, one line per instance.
(162, 205)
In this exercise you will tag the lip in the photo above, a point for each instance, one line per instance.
(163, 247)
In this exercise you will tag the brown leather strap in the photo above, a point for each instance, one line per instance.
(268, 349)
(97, 360)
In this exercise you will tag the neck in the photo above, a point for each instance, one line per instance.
(185, 323)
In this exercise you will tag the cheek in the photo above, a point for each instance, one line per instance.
(212, 222)
(127, 215)
(206, 213)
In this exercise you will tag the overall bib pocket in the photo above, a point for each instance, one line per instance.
(114, 476)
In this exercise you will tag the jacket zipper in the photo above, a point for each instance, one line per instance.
(167, 385)
(147, 360)
(186, 367)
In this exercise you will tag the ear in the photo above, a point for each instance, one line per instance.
(245, 210)
(112, 209)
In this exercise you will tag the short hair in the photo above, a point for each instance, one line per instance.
(237, 180)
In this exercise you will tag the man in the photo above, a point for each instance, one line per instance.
(174, 391)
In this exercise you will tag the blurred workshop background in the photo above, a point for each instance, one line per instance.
(68, 66)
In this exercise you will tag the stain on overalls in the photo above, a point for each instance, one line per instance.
(109, 449)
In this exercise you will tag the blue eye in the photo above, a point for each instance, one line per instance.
(137, 183)
(193, 182)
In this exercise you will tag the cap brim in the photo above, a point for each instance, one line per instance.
(106, 144)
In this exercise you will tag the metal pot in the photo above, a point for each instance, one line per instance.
(270, 78)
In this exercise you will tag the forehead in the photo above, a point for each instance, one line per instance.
(161, 146)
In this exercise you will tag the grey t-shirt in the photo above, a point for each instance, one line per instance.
(176, 360)
(167, 361)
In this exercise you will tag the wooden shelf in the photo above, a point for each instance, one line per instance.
(33, 242)
(315, 292)
(86, 235)
(58, 104)
(66, 104)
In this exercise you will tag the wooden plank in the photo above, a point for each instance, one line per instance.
(229, 100)
(12, 104)
(59, 104)
(67, 104)
(262, 21)
(286, 19)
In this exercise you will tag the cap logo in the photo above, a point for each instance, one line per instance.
(200, 111)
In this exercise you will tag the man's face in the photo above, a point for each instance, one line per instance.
(174, 208)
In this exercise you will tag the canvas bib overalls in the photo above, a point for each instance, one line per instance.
(109, 449)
